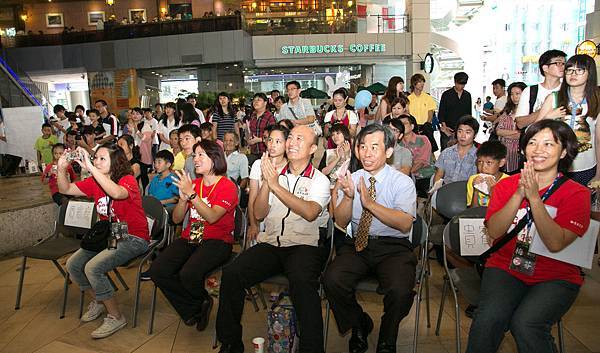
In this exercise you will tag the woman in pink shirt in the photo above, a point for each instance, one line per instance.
(422, 168)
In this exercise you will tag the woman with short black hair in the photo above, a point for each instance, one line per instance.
(207, 239)
(523, 292)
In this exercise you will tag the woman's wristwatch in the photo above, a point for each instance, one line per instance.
(192, 196)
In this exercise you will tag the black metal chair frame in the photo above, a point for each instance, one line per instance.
(158, 236)
(371, 284)
(239, 233)
(61, 242)
(452, 240)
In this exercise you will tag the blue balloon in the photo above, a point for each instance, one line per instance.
(362, 99)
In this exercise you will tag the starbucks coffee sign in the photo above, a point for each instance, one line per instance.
(333, 49)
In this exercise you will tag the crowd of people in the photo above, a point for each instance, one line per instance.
(378, 160)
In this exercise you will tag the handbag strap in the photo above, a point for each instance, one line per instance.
(108, 209)
(292, 111)
(522, 223)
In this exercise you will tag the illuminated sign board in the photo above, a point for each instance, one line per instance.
(333, 48)
(587, 47)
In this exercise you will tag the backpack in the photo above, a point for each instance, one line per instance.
(282, 334)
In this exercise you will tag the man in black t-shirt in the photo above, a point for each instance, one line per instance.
(454, 104)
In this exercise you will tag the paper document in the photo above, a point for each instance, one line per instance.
(483, 186)
(473, 239)
(150, 224)
(580, 252)
(79, 214)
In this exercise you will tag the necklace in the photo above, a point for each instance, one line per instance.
(337, 115)
(211, 190)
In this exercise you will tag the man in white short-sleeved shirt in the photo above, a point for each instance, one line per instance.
(192, 100)
(552, 67)
(289, 245)
(297, 109)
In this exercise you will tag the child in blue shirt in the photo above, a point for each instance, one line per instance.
(161, 186)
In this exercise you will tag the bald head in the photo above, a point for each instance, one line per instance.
(301, 143)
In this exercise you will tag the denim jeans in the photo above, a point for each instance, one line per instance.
(88, 268)
(506, 303)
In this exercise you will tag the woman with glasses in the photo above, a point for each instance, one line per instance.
(209, 204)
(579, 99)
(402, 158)
(422, 163)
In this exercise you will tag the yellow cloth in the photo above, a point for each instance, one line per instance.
(482, 199)
(420, 106)
(179, 162)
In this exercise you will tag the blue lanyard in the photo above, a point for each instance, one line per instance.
(574, 107)
(544, 197)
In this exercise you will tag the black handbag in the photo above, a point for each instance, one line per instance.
(96, 239)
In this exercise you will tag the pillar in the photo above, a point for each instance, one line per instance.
(592, 29)
(420, 29)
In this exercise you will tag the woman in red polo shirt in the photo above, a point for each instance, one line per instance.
(207, 239)
(113, 186)
(521, 291)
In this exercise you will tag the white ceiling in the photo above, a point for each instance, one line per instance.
(60, 77)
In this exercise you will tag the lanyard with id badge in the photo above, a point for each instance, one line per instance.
(197, 226)
(522, 260)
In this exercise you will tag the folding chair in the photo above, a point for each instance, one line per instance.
(62, 242)
(469, 281)
(154, 211)
(159, 235)
(239, 234)
(419, 239)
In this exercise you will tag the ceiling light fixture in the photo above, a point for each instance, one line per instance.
(110, 2)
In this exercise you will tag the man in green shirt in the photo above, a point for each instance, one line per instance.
(43, 145)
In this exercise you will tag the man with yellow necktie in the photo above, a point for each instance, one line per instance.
(380, 203)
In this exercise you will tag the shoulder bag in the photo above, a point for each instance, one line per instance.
(314, 125)
(513, 233)
(96, 239)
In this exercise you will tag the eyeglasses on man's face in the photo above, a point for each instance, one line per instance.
(557, 63)
(575, 71)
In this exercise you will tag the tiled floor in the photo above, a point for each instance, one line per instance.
(37, 328)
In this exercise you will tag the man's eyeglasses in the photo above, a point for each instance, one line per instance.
(575, 71)
(557, 63)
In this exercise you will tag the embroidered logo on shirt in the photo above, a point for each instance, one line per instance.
(577, 224)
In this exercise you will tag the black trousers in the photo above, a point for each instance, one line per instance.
(144, 179)
(393, 263)
(180, 271)
(301, 264)
(427, 130)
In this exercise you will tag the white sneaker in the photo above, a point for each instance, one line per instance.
(93, 312)
(109, 326)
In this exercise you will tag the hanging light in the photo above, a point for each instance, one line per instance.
(110, 2)
(24, 16)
